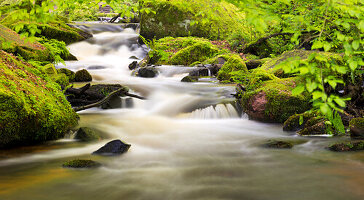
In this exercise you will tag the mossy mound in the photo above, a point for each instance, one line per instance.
(82, 76)
(86, 134)
(184, 51)
(298, 121)
(60, 78)
(51, 30)
(11, 42)
(273, 101)
(32, 107)
(81, 164)
(234, 64)
(200, 18)
(347, 146)
(357, 127)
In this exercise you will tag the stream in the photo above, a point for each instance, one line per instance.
(188, 141)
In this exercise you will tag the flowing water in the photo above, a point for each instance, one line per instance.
(188, 142)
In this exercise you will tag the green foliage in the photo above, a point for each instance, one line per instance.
(234, 69)
(57, 49)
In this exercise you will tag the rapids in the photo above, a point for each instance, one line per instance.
(188, 141)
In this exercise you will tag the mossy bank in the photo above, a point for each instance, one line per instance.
(33, 108)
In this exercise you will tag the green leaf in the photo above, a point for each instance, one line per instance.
(301, 120)
(353, 64)
(356, 44)
(316, 95)
(325, 109)
(340, 102)
(340, 36)
(327, 46)
(298, 90)
(311, 86)
(332, 83)
(317, 45)
(361, 25)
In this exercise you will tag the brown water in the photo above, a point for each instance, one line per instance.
(188, 142)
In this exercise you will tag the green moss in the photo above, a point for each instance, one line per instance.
(356, 126)
(32, 107)
(293, 122)
(11, 42)
(81, 164)
(183, 51)
(201, 18)
(70, 74)
(279, 101)
(233, 64)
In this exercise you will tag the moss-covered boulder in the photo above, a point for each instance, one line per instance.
(11, 42)
(201, 18)
(188, 79)
(184, 51)
(32, 107)
(53, 29)
(298, 121)
(273, 101)
(82, 76)
(60, 78)
(86, 134)
(348, 146)
(357, 127)
(232, 65)
(78, 163)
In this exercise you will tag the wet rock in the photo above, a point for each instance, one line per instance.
(83, 76)
(133, 65)
(221, 60)
(357, 128)
(348, 146)
(129, 103)
(86, 134)
(96, 67)
(278, 144)
(70, 57)
(203, 71)
(147, 72)
(113, 148)
(133, 57)
(189, 79)
(293, 122)
(114, 103)
(81, 164)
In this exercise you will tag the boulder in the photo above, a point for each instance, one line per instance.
(33, 108)
(133, 65)
(347, 146)
(86, 134)
(81, 164)
(70, 74)
(189, 79)
(147, 72)
(278, 144)
(293, 122)
(83, 76)
(113, 148)
(96, 67)
(357, 128)
(114, 102)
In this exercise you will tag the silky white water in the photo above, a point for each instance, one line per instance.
(188, 141)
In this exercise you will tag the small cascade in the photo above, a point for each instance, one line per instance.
(219, 111)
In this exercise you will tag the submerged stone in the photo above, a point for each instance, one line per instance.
(113, 148)
(133, 65)
(348, 146)
(81, 164)
(147, 72)
(86, 134)
(189, 79)
(278, 144)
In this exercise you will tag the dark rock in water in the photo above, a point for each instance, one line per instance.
(147, 72)
(133, 65)
(348, 146)
(189, 79)
(83, 76)
(357, 128)
(70, 57)
(95, 67)
(317, 126)
(133, 57)
(278, 144)
(203, 71)
(129, 102)
(81, 164)
(70, 74)
(113, 103)
(113, 148)
(86, 134)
